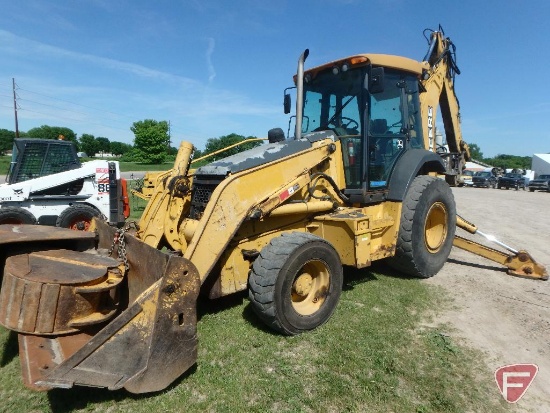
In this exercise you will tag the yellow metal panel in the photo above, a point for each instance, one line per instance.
(235, 198)
(392, 61)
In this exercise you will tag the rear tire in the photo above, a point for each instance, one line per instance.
(427, 228)
(77, 217)
(16, 216)
(296, 282)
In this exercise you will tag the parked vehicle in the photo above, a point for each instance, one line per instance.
(484, 179)
(542, 183)
(47, 185)
(511, 180)
(466, 178)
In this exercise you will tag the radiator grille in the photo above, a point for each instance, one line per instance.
(203, 188)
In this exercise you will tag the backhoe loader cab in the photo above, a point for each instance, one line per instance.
(371, 104)
(280, 220)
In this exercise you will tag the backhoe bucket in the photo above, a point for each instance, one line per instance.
(82, 322)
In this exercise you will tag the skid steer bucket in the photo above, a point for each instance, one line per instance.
(82, 321)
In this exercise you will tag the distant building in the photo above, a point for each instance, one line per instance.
(540, 163)
(476, 166)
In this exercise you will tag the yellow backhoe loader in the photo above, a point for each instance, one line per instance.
(357, 183)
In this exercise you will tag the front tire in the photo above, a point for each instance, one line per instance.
(16, 216)
(77, 217)
(296, 282)
(427, 228)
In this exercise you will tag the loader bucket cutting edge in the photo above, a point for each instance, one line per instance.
(148, 345)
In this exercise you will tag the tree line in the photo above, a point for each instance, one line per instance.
(151, 143)
(501, 160)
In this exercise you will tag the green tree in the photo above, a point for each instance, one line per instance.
(88, 144)
(475, 152)
(6, 140)
(151, 140)
(120, 148)
(52, 132)
(103, 145)
(510, 161)
(215, 144)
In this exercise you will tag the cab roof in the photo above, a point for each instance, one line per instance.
(386, 60)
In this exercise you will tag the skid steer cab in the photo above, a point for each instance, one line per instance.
(117, 308)
(48, 185)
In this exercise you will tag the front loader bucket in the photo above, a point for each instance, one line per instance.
(140, 334)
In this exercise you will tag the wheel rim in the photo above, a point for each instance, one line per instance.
(435, 229)
(310, 287)
(80, 223)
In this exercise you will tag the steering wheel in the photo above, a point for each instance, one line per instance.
(354, 124)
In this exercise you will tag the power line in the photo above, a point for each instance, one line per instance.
(75, 103)
(71, 119)
(189, 134)
(64, 109)
(93, 108)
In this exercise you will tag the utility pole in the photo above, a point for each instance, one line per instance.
(169, 136)
(15, 109)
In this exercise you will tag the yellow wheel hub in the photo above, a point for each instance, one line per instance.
(310, 287)
(435, 229)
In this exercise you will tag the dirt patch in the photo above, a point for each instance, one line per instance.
(508, 318)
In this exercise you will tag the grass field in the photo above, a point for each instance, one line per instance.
(376, 354)
(124, 166)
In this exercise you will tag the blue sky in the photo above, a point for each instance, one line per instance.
(213, 67)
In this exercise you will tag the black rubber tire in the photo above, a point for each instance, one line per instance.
(276, 273)
(77, 217)
(531, 190)
(431, 196)
(16, 216)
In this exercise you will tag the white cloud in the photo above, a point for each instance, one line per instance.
(13, 44)
(209, 52)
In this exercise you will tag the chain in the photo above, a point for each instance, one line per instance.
(119, 241)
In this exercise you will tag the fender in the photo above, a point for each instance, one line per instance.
(413, 162)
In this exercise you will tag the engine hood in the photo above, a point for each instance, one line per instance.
(261, 155)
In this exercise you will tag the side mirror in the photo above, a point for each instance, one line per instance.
(287, 104)
(376, 80)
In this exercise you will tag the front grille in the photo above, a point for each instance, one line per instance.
(202, 190)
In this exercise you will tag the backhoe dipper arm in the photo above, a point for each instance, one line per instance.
(519, 263)
(438, 83)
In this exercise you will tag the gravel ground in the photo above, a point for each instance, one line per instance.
(508, 318)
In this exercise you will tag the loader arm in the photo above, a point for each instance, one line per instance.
(237, 196)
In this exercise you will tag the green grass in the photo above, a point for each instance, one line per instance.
(4, 165)
(124, 166)
(375, 354)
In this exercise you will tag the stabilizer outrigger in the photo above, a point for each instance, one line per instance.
(519, 263)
